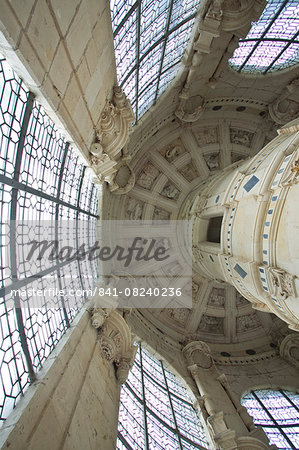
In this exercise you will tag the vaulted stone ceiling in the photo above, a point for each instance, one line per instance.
(225, 117)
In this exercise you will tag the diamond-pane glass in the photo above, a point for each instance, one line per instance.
(278, 413)
(156, 411)
(149, 40)
(273, 42)
(42, 180)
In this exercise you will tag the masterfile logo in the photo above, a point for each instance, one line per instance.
(134, 263)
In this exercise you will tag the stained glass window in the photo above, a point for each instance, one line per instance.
(41, 179)
(278, 413)
(156, 411)
(272, 43)
(149, 40)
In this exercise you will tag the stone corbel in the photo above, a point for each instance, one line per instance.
(289, 349)
(182, 112)
(108, 154)
(241, 13)
(116, 344)
(198, 354)
(284, 109)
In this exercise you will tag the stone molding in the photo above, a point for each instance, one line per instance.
(108, 154)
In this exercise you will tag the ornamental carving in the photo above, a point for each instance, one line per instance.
(240, 13)
(281, 283)
(206, 136)
(170, 191)
(212, 161)
(285, 108)
(241, 137)
(186, 111)
(289, 349)
(134, 209)
(198, 353)
(116, 346)
(148, 176)
(108, 154)
(291, 175)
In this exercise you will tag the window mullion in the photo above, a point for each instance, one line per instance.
(273, 420)
(143, 402)
(171, 406)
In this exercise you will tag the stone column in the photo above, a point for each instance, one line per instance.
(245, 222)
(74, 402)
(230, 425)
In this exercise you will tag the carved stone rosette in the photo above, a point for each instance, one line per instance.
(108, 154)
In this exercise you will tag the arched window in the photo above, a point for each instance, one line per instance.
(156, 411)
(43, 182)
(273, 42)
(278, 413)
(149, 40)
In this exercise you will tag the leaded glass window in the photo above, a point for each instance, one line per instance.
(149, 40)
(156, 410)
(41, 179)
(272, 43)
(278, 413)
